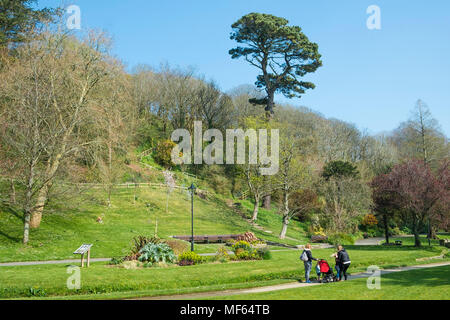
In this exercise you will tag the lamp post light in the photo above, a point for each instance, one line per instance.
(192, 188)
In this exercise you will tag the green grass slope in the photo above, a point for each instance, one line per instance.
(68, 223)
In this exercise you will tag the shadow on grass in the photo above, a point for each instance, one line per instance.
(428, 277)
(431, 248)
(16, 213)
(13, 239)
(11, 210)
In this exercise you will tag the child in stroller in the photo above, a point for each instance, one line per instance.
(326, 271)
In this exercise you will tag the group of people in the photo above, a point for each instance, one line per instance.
(341, 257)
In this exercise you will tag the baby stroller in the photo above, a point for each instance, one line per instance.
(326, 271)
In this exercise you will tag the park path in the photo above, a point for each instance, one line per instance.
(32, 263)
(284, 286)
(369, 241)
(362, 242)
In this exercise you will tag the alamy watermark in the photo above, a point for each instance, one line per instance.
(374, 20)
(374, 280)
(213, 153)
(74, 280)
(74, 17)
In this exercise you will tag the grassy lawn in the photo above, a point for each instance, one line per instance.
(68, 223)
(102, 281)
(424, 284)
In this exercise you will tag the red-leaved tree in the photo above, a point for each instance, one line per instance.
(420, 195)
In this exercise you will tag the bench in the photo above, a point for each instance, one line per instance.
(221, 238)
(82, 250)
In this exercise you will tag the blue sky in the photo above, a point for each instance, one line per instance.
(369, 77)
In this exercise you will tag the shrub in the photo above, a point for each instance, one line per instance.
(230, 242)
(319, 232)
(341, 238)
(242, 255)
(178, 247)
(244, 245)
(163, 153)
(37, 292)
(139, 243)
(446, 254)
(264, 253)
(155, 253)
(220, 184)
(115, 261)
(395, 231)
(406, 230)
(189, 258)
(222, 254)
(369, 220)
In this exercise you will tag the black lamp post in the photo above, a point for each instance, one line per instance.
(192, 188)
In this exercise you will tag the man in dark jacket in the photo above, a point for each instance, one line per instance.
(344, 262)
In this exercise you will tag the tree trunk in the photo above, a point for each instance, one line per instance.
(416, 235)
(109, 195)
(27, 203)
(26, 227)
(284, 229)
(386, 228)
(270, 104)
(53, 165)
(255, 209)
(433, 232)
(266, 201)
(285, 215)
(36, 214)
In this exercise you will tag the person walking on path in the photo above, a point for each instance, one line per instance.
(344, 262)
(307, 259)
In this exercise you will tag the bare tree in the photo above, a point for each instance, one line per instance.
(421, 137)
(48, 89)
(294, 175)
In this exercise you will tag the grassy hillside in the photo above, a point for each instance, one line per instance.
(71, 221)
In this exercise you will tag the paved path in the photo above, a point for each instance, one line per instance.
(284, 286)
(32, 263)
(369, 241)
(362, 242)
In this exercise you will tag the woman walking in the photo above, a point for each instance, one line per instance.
(307, 259)
(344, 262)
